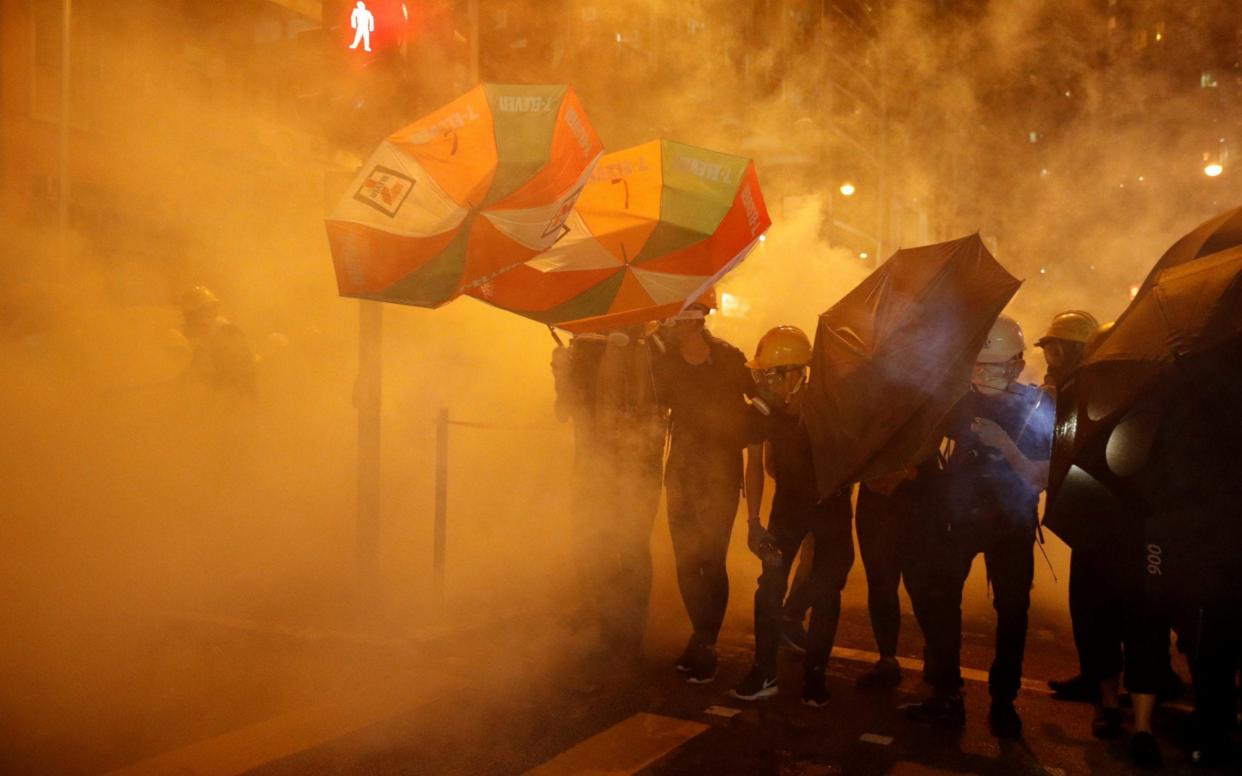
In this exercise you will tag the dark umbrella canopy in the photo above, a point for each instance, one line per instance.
(894, 356)
(1146, 426)
(1189, 309)
(1217, 234)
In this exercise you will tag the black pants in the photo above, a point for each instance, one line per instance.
(1096, 608)
(1214, 663)
(829, 522)
(935, 580)
(882, 525)
(701, 509)
(1118, 628)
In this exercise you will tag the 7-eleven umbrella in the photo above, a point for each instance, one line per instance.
(655, 226)
(479, 186)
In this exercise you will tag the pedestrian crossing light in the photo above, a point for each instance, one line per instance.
(371, 27)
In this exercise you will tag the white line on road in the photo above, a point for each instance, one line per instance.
(914, 664)
(625, 748)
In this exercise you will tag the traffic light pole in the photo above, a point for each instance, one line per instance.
(367, 400)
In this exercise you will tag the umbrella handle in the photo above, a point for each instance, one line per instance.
(451, 134)
(626, 184)
(555, 336)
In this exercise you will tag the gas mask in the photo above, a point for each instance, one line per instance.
(777, 386)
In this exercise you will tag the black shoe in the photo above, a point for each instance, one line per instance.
(794, 635)
(1145, 751)
(884, 675)
(756, 685)
(685, 663)
(1107, 723)
(703, 665)
(815, 690)
(1078, 689)
(1003, 719)
(946, 710)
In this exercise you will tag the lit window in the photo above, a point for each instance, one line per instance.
(1207, 81)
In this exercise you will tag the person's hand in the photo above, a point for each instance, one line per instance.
(760, 541)
(989, 433)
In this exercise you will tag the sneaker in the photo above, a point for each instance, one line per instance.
(815, 690)
(1078, 689)
(939, 709)
(1003, 719)
(884, 675)
(794, 635)
(1107, 724)
(703, 665)
(1145, 751)
(755, 686)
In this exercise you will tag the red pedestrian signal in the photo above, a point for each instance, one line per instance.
(369, 28)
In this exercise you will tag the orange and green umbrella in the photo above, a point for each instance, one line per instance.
(656, 225)
(481, 185)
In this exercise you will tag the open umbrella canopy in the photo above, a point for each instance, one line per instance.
(1218, 233)
(894, 356)
(656, 225)
(1103, 431)
(479, 186)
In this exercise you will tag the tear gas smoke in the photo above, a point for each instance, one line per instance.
(134, 497)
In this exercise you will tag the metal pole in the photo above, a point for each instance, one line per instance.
(441, 516)
(367, 399)
(472, 13)
(66, 13)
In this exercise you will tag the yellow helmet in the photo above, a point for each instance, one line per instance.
(782, 346)
(1072, 325)
(198, 299)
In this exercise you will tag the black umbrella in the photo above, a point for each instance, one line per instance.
(1143, 421)
(894, 356)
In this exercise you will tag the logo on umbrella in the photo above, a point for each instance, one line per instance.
(558, 220)
(385, 190)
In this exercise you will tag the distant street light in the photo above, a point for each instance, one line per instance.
(1213, 169)
(847, 189)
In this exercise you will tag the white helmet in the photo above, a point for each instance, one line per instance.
(1004, 342)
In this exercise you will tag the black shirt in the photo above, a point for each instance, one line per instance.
(793, 465)
(708, 411)
(980, 485)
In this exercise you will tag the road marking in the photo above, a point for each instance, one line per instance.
(873, 738)
(245, 749)
(722, 711)
(626, 747)
(914, 664)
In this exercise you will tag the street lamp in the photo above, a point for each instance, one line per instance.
(847, 189)
(1212, 169)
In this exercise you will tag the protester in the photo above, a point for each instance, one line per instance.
(605, 385)
(997, 443)
(703, 381)
(780, 369)
(222, 359)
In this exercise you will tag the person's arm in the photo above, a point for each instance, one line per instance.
(755, 476)
(1033, 473)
